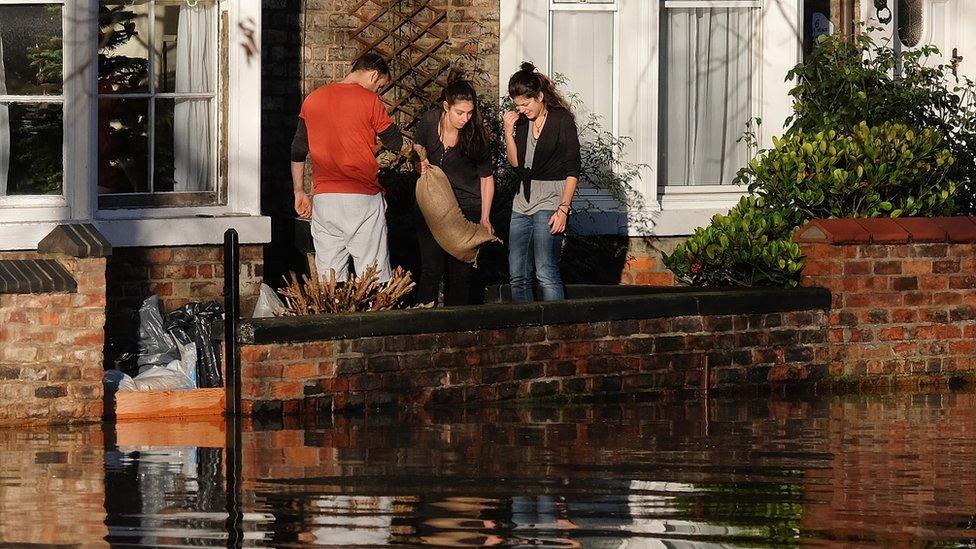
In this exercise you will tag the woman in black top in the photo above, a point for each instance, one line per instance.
(542, 144)
(452, 136)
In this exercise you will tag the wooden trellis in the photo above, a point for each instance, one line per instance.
(409, 34)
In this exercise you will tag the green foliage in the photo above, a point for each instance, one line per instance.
(886, 170)
(861, 143)
(749, 246)
(845, 83)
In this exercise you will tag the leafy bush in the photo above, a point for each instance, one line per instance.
(889, 170)
(749, 246)
(861, 143)
(845, 83)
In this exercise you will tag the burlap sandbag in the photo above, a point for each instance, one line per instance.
(458, 236)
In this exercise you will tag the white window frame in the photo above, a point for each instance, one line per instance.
(23, 226)
(31, 207)
(677, 196)
(152, 95)
(678, 211)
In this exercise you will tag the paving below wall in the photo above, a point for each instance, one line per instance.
(643, 346)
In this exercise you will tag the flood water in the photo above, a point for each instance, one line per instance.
(877, 471)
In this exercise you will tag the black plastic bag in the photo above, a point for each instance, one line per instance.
(193, 323)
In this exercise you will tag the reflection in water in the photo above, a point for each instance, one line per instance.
(855, 471)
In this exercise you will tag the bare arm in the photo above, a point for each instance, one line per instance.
(508, 123)
(299, 152)
(487, 195)
(303, 202)
(423, 163)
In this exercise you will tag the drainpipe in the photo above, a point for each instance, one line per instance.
(846, 17)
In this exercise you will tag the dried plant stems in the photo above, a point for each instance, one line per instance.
(313, 294)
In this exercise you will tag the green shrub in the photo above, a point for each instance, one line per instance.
(860, 143)
(749, 246)
(842, 84)
(887, 170)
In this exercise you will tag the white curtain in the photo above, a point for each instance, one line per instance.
(582, 52)
(193, 132)
(4, 129)
(708, 94)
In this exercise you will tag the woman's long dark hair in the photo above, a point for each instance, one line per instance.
(529, 82)
(473, 137)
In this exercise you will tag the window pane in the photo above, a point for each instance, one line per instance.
(123, 56)
(184, 155)
(186, 46)
(707, 93)
(30, 50)
(123, 145)
(31, 143)
(582, 53)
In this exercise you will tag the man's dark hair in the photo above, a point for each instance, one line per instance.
(372, 61)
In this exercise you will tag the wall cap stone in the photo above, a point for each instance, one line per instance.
(683, 302)
(882, 230)
(35, 276)
(75, 240)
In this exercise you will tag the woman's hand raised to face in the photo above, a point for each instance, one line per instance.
(509, 119)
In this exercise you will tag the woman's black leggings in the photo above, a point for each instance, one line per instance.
(463, 284)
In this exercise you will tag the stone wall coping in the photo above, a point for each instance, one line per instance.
(883, 230)
(35, 276)
(75, 240)
(683, 302)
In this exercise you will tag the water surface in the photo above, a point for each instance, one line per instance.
(843, 471)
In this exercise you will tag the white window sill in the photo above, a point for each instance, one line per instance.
(173, 231)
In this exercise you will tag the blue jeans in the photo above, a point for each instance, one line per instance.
(533, 254)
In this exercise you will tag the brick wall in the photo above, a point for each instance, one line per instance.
(51, 348)
(178, 275)
(644, 265)
(600, 359)
(901, 461)
(902, 310)
(903, 296)
(329, 48)
(46, 474)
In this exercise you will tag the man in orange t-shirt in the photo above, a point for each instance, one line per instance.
(339, 125)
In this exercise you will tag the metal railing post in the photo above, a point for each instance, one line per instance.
(232, 385)
(232, 315)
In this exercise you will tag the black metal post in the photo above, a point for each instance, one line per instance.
(232, 386)
(232, 315)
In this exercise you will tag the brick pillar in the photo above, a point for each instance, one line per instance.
(52, 337)
(903, 296)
